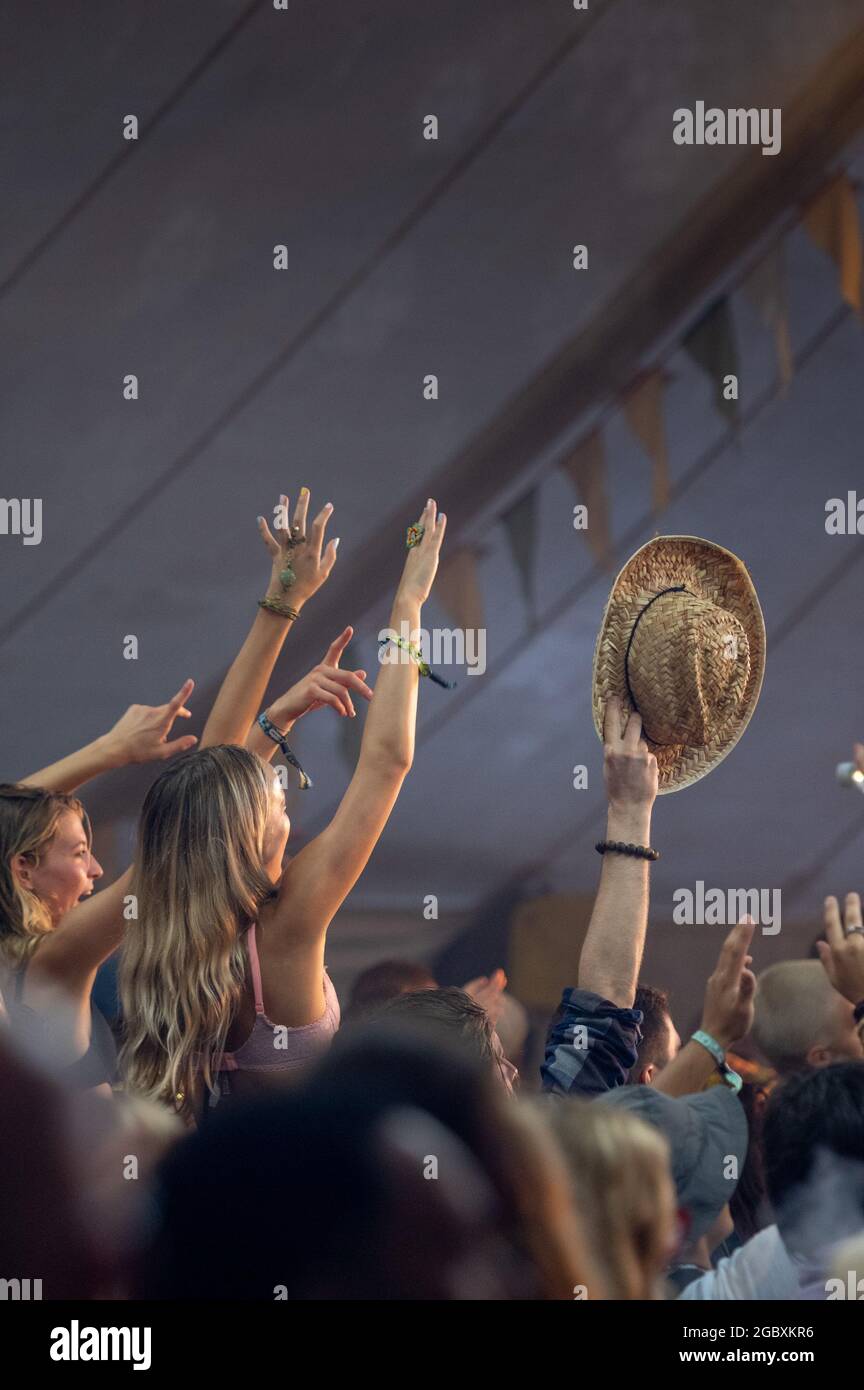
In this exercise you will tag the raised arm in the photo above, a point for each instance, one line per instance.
(326, 684)
(298, 569)
(842, 951)
(727, 1017)
(141, 736)
(612, 951)
(70, 955)
(317, 881)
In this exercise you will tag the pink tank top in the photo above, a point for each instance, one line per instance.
(273, 1048)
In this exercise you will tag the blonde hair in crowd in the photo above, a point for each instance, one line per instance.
(28, 824)
(200, 882)
(619, 1166)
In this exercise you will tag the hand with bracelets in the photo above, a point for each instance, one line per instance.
(299, 567)
(630, 774)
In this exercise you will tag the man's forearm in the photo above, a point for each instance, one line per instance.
(688, 1072)
(612, 953)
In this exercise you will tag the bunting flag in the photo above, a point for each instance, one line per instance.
(711, 344)
(834, 224)
(643, 411)
(520, 522)
(586, 466)
(765, 287)
(457, 589)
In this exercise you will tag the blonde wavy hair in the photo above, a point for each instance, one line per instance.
(28, 823)
(199, 882)
(619, 1167)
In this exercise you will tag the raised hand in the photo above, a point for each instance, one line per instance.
(325, 684)
(141, 735)
(421, 562)
(299, 567)
(842, 954)
(488, 992)
(629, 769)
(730, 993)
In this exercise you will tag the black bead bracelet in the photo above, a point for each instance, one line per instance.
(619, 847)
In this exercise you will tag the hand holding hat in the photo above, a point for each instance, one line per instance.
(682, 644)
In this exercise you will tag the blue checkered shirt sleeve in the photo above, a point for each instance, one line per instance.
(591, 1045)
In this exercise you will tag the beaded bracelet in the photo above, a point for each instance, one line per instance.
(619, 847)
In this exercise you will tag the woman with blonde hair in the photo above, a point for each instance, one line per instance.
(222, 978)
(619, 1168)
(53, 934)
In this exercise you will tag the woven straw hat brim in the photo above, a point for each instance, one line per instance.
(712, 573)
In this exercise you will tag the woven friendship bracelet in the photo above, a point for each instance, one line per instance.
(619, 847)
(275, 605)
(423, 666)
(269, 728)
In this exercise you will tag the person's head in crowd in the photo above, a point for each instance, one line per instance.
(801, 1021)
(325, 1192)
(748, 1206)
(383, 981)
(813, 1138)
(46, 865)
(707, 1138)
(44, 1234)
(619, 1167)
(452, 1013)
(513, 1027)
(212, 835)
(660, 1040)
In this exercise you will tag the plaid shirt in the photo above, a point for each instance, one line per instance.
(591, 1045)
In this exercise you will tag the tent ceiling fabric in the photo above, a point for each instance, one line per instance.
(305, 128)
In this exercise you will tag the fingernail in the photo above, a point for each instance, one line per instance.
(336, 543)
(304, 492)
(430, 502)
(328, 506)
(442, 516)
(260, 521)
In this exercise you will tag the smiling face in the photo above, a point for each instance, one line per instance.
(65, 870)
(276, 832)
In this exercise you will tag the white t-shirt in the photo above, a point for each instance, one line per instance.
(760, 1269)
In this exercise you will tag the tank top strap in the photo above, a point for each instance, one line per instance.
(255, 968)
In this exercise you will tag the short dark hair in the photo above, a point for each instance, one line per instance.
(654, 1004)
(817, 1111)
(445, 1010)
(384, 981)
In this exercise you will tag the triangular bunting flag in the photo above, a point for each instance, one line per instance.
(587, 468)
(833, 221)
(457, 589)
(765, 287)
(643, 411)
(711, 344)
(521, 525)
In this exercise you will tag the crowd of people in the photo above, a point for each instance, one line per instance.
(226, 1138)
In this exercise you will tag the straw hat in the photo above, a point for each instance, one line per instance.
(690, 660)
